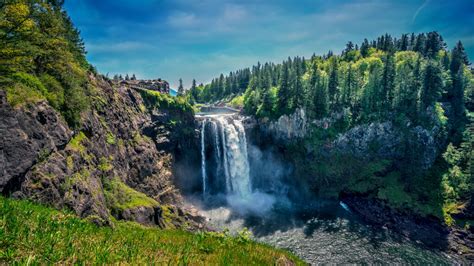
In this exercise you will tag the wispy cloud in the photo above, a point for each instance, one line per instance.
(419, 10)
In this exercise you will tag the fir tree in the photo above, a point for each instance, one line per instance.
(432, 85)
(180, 87)
(364, 48)
(284, 94)
(333, 83)
(388, 81)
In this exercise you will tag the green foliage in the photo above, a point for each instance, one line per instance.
(29, 81)
(120, 197)
(42, 51)
(367, 180)
(393, 191)
(105, 164)
(111, 139)
(457, 181)
(33, 234)
(55, 93)
(237, 102)
(386, 79)
(267, 107)
(154, 99)
(19, 95)
(76, 142)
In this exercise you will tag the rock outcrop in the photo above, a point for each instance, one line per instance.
(287, 127)
(385, 141)
(122, 140)
(28, 135)
(426, 230)
(381, 140)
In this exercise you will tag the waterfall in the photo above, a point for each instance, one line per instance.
(203, 156)
(229, 146)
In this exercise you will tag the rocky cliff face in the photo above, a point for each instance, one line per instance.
(287, 127)
(385, 141)
(382, 140)
(119, 163)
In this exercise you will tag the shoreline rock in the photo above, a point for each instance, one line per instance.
(426, 230)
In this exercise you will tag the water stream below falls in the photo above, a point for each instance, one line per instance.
(319, 231)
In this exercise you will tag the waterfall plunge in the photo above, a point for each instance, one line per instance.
(225, 165)
(226, 138)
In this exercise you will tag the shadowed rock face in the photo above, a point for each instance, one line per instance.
(27, 136)
(120, 140)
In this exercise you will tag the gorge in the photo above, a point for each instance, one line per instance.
(320, 230)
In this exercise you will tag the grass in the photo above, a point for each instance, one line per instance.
(34, 234)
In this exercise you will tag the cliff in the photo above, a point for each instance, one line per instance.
(388, 172)
(120, 162)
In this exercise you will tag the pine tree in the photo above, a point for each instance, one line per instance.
(433, 44)
(420, 44)
(297, 90)
(458, 58)
(194, 91)
(407, 82)
(388, 79)
(284, 94)
(364, 48)
(404, 42)
(266, 108)
(319, 95)
(412, 42)
(347, 92)
(320, 99)
(333, 84)
(432, 85)
(180, 87)
(456, 91)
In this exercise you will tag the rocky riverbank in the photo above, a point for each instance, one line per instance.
(428, 231)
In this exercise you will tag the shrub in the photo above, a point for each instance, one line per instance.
(55, 94)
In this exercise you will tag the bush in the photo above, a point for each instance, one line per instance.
(23, 88)
(55, 94)
(19, 94)
(237, 102)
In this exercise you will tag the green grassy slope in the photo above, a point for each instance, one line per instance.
(31, 233)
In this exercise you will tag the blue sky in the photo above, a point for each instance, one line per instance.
(200, 39)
